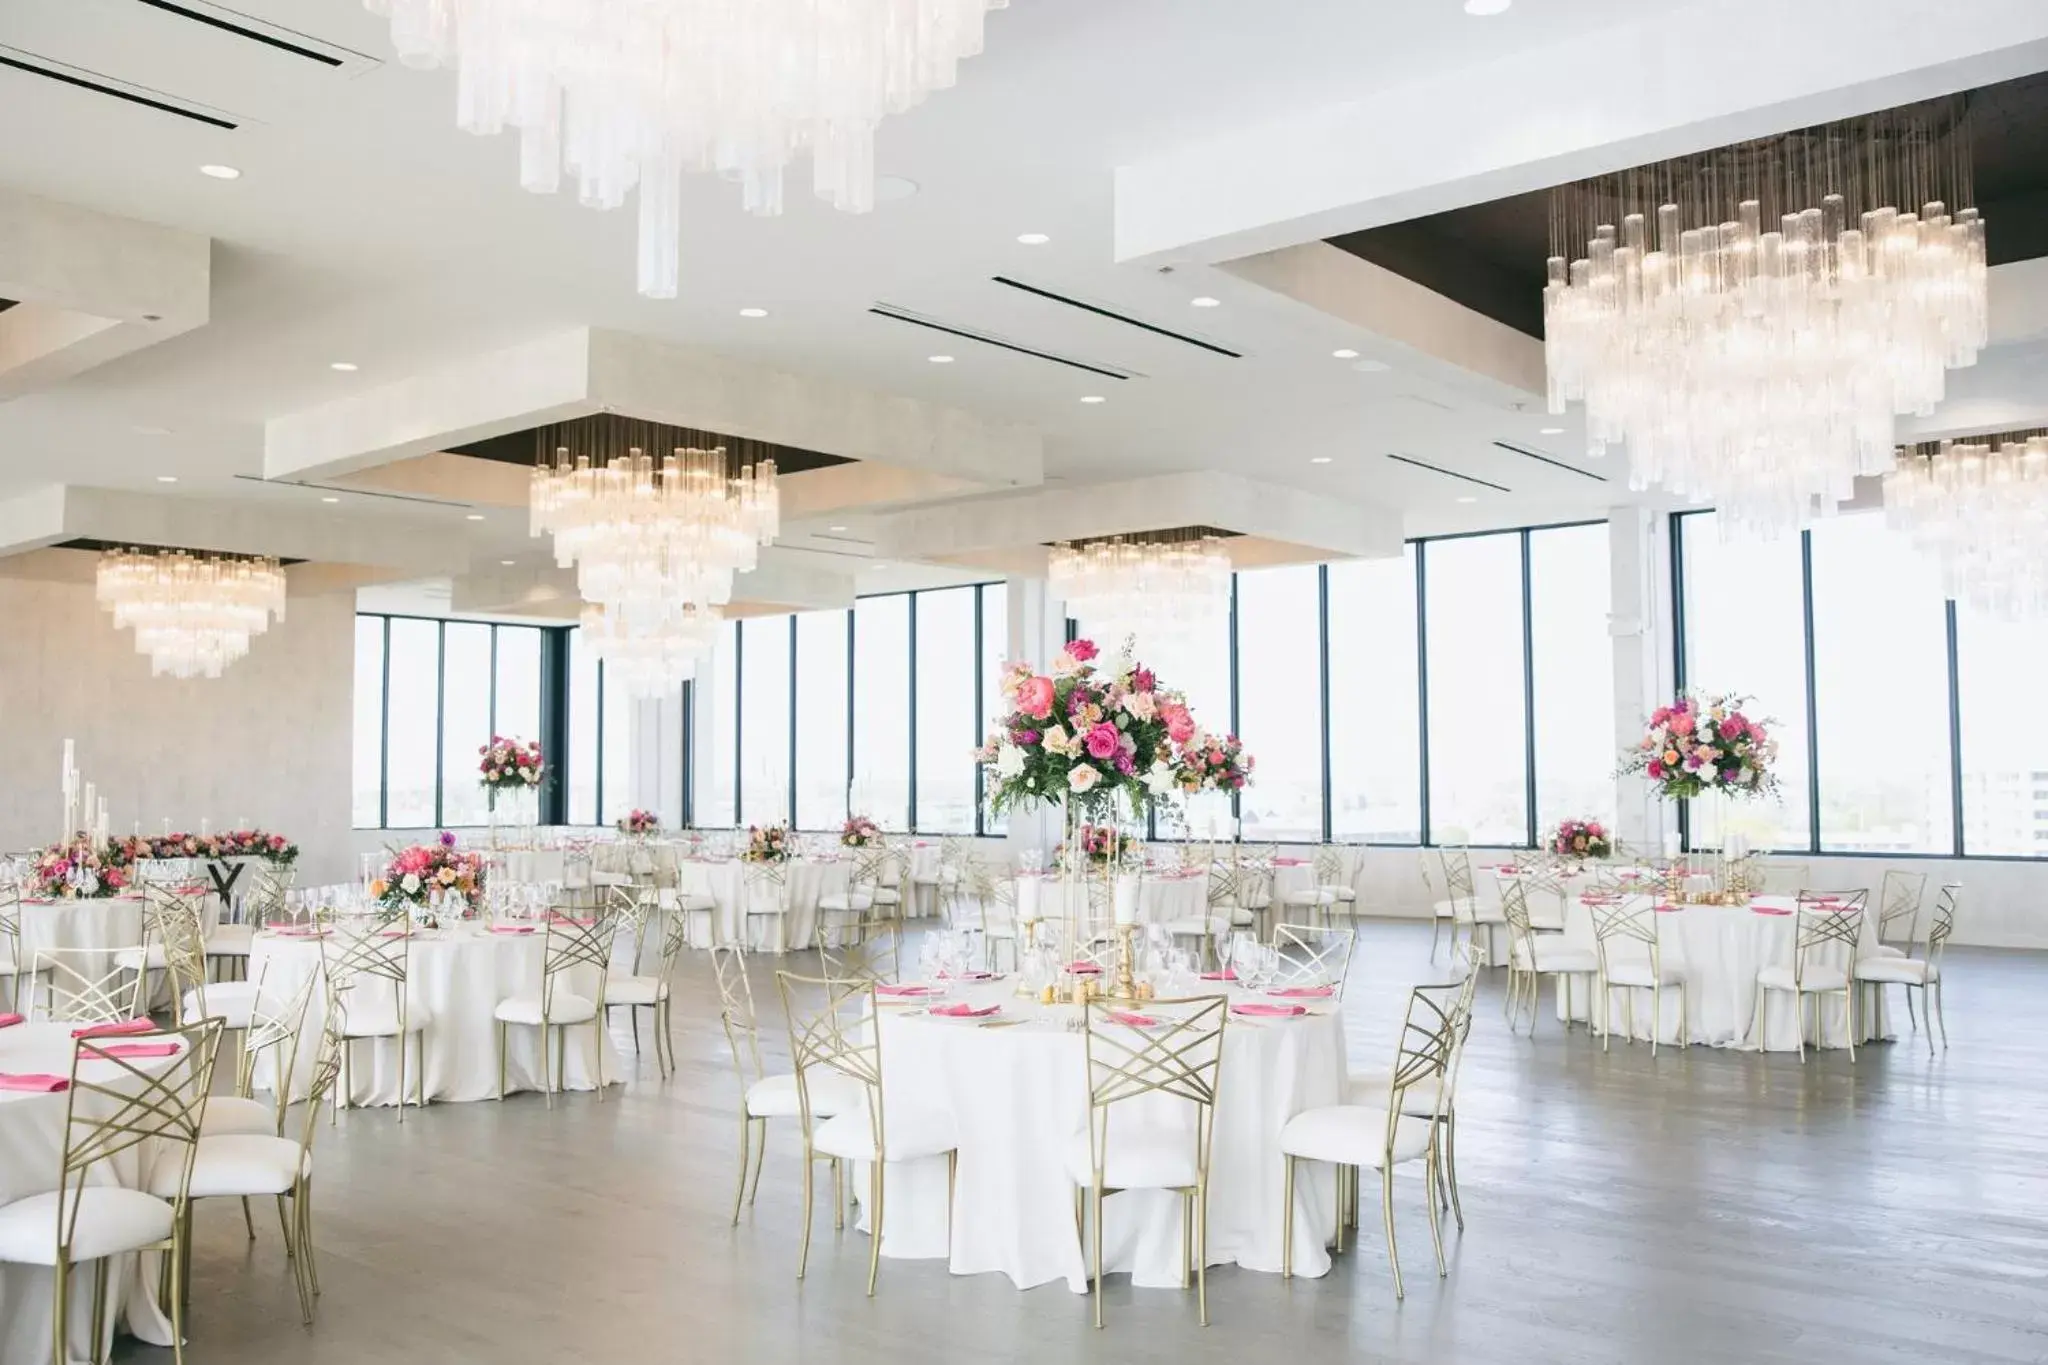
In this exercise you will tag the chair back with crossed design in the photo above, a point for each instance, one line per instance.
(362, 970)
(868, 950)
(1780, 878)
(1456, 866)
(1824, 923)
(764, 890)
(1514, 908)
(633, 906)
(320, 1082)
(736, 1015)
(1898, 908)
(1332, 867)
(274, 1027)
(274, 883)
(89, 986)
(675, 936)
(576, 945)
(10, 930)
(1630, 920)
(1179, 1057)
(832, 1030)
(174, 920)
(116, 1105)
(1432, 1032)
(1314, 955)
(1941, 925)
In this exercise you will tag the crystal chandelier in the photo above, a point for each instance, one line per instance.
(655, 661)
(1979, 507)
(649, 538)
(1154, 585)
(1751, 320)
(193, 615)
(626, 92)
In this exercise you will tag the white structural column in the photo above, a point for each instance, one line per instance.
(1640, 623)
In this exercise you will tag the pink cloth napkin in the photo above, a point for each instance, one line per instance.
(1290, 862)
(566, 922)
(1768, 910)
(10, 1020)
(1083, 969)
(298, 931)
(967, 976)
(1668, 909)
(140, 1050)
(962, 1010)
(1225, 975)
(1590, 898)
(901, 988)
(1259, 1009)
(511, 928)
(120, 1030)
(36, 1082)
(394, 933)
(1130, 1020)
(1303, 993)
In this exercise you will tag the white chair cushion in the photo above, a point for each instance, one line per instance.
(566, 1007)
(1192, 928)
(7, 963)
(690, 902)
(847, 902)
(1445, 910)
(775, 1097)
(132, 959)
(232, 1164)
(634, 990)
(910, 1133)
(1352, 1135)
(1241, 918)
(888, 895)
(998, 929)
(234, 1001)
(1314, 895)
(380, 1019)
(232, 1114)
(1910, 970)
(1886, 950)
(230, 940)
(1637, 973)
(1136, 1156)
(1817, 979)
(1370, 1090)
(1553, 956)
(1342, 893)
(110, 1220)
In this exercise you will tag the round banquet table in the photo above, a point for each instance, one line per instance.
(31, 1152)
(95, 925)
(1721, 948)
(460, 974)
(1017, 1095)
(1162, 897)
(725, 881)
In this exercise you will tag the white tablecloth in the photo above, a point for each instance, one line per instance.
(725, 881)
(460, 975)
(31, 1152)
(1161, 899)
(88, 925)
(1018, 1095)
(1721, 948)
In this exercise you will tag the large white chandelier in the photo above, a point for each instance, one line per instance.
(193, 615)
(1979, 507)
(1751, 320)
(651, 537)
(1157, 585)
(655, 661)
(621, 93)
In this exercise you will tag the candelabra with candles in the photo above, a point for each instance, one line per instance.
(85, 810)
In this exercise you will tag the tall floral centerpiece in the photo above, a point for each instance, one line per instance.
(767, 844)
(1578, 840)
(1706, 745)
(859, 832)
(430, 883)
(513, 766)
(80, 869)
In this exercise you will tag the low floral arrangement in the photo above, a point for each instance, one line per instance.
(1091, 736)
(1702, 744)
(77, 869)
(510, 765)
(1581, 839)
(236, 843)
(859, 832)
(1102, 845)
(415, 874)
(1212, 764)
(766, 845)
(639, 822)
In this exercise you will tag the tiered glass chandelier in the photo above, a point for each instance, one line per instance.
(621, 93)
(655, 661)
(1749, 321)
(1155, 585)
(193, 615)
(1979, 507)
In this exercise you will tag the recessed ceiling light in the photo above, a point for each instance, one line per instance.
(878, 566)
(506, 562)
(1092, 398)
(220, 172)
(1033, 238)
(475, 516)
(1345, 353)
(836, 528)
(940, 359)
(1319, 459)
(1550, 431)
(1486, 7)
(889, 188)
(345, 366)
(1204, 301)
(167, 478)
(1468, 498)
(753, 312)
(330, 499)
(1370, 366)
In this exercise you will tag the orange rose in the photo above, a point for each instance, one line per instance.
(377, 889)
(1671, 756)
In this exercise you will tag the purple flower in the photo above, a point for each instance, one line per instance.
(1124, 764)
(447, 839)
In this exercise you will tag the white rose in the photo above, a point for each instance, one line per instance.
(1009, 762)
(1055, 740)
(1064, 663)
(1142, 705)
(411, 884)
(1159, 780)
(1083, 778)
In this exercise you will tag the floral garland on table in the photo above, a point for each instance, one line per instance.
(1090, 736)
(239, 843)
(767, 845)
(639, 822)
(859, 832)
(1701, 744)
(1102, 846)
(414, 874)
(1581, 839)
(510, 765)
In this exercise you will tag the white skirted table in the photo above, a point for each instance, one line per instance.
(1016, 1096)
(32, 1130)
(789, 890)
(1162, 897)
(459, 975)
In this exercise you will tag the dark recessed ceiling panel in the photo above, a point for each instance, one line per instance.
(607, 431)
(1490, 257)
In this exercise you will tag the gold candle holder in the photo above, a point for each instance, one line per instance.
(1125, 987)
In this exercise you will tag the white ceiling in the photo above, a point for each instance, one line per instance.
(365, 228)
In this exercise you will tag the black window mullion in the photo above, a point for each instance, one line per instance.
(597, 788)
(688, 815)
(850, 811)
(913, 711)
(1677, 539)
(384, 738)
(440, 715)
(1236, 796)
(739, 720)
(1529, 696)
(792, 721)
(1955, 730)
(1812, 700)
(492, 713)
(1323, 681)
(980, 688)
(1422, 676)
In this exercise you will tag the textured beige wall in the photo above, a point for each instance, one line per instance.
(267, 741)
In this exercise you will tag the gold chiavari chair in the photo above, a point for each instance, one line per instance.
(1441, 909)
(1898, 914)
(1352, 1137)
(368, 978)
(996, 891)
(1544, 891)
(13, 965)
(229, 945)
(572, 945)
(1923, 974)
(88, 986)
(1314, 955)
(1775, 877)
(840, 1039)
(1173, 1051)
(175, 920)
(1336, 873)
(636, 991)
(273, 1033)
(1533, 956)
(1468, 918)
(861, 896)
(1634, 921)
(1821, 925)
(253, 1165)
(114, 1107)
(764, 894)
(892, 876)
(1311, 904)
(868, 950)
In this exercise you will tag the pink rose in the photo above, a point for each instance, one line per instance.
(1103, 741)
(1180, 723)
(1081, 650)
(1035, 697)
(1143, 680)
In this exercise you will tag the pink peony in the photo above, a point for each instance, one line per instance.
(1102, 741)
(1081, 650)
(1180, 723)
(1035, 697)
(1143, 680)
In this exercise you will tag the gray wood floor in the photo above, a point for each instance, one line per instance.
(1705, 1207)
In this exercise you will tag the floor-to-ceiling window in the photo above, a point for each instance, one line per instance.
(823, 739)
(764, 697)
(1280, 701)
(1375, 742)
(1571, 668)
(945, 663)
(881, 710)
(1477, 732)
